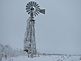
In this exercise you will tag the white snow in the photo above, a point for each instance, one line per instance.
(9, 54)
(42, 58)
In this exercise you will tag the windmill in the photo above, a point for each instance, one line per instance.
(33, 10)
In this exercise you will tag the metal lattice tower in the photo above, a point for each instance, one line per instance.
(33, 10)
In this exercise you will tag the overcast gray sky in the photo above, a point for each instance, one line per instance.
(58, 31)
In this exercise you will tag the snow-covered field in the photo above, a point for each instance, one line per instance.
(9, 54)
(42, 58)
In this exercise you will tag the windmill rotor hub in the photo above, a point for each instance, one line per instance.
(32, 7)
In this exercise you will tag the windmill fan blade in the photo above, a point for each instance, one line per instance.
(29, 3)
(36, 5)
(42, 11)
(33, 3)
(27, 10)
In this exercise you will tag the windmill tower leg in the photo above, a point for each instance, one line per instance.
(29, 42)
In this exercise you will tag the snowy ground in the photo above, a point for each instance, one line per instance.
(43, 58)
(9, 54)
